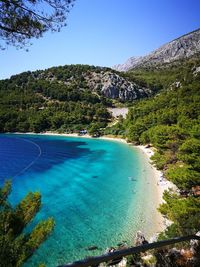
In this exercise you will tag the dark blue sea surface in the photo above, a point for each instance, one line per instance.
(92, 188)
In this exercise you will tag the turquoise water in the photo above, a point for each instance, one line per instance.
(93, 188)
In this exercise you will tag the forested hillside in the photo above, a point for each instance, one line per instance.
(68, 98)
(170, 121)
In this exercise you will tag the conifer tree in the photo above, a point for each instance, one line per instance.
(22, 20)
(16, 245)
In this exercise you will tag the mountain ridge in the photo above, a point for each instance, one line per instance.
(182, 47)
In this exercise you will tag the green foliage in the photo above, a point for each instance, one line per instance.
(183, 212)
(163, 76)
(170, 121)
(135, 130)
(38, 235)
(94, 130)
(133, 259)
(4, 192)
(189, 152)
(162, 136)
(17, 246)
(183, 176)
(159, 159)
(22, 20)
(116, 130)
(55, 99)
(26, 210)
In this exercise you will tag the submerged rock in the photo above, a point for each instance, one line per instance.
(92, 248)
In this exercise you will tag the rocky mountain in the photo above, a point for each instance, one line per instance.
(113, 86)
(98, 80)
(180, 48)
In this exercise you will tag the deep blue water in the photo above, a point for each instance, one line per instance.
(85, 185)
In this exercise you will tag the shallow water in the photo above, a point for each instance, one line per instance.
(96, 190)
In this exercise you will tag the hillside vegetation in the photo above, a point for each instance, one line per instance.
(170, 121)
(67, 99)
(38, 101)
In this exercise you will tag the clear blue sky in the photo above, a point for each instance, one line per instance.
(105, 33)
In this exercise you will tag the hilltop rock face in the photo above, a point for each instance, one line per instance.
(129, 64)
(99, 81)
(113, 86)
(180, 48)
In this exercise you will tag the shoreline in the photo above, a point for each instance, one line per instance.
(159, 182)
(161, 185)
(76, 135)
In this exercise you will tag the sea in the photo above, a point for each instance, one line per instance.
(99, 192)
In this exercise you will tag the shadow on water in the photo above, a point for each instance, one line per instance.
(88, 198)
(21, 153)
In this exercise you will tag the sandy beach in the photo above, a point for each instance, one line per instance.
(85, 136)
(161, 185)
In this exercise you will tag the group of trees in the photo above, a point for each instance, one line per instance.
(16, 245)
(170, 121)
(40, 101)
(22, 20)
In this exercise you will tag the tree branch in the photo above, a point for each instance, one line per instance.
(31, 12)
(13, 30)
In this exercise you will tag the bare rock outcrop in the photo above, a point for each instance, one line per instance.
(113, 86)
(180, 48)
